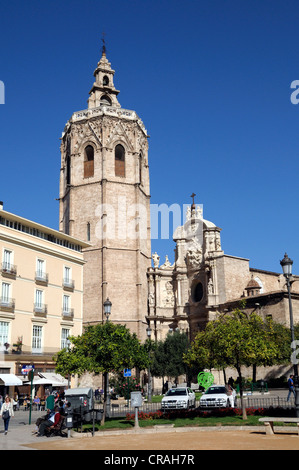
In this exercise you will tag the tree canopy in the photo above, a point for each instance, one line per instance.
(168, 356)
(100, 349)
(237, 340)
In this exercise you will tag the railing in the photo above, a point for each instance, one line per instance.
(7, 304)
(121, 409)
(68, 283)
(252, 401)
(68, 313)
(40, 309)
(41, 277)
(110, 110)
(8, 269)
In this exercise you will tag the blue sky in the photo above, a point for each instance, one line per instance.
(211, 82)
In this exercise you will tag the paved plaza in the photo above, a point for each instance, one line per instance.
(20, 437)
(190, 439)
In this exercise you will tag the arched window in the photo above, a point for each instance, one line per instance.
(68, 162)
(88, 161)
(140, 168)
(105, 80)
(119, 160)
(197, 292)
(105, 101)
(68, 169)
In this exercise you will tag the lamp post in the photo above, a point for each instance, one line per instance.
(107, 308)
(107, 312)
(149, 391)
(68, 346)
(286, 264)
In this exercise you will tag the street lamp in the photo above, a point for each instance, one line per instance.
(68, 346)
(286, 264)
(149, 392)
(107, 308)
(107, 312)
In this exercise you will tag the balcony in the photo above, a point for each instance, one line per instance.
(41, 277)
(7, 305)
(40, 310)
(8, 270)
(68, 313)
(68, 284)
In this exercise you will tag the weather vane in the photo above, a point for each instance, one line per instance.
(104, 44)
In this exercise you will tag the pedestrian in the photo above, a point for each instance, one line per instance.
(291, 387)
(6, 412)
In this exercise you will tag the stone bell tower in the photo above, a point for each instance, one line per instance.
(105, 201)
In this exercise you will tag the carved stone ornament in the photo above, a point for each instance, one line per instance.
(168, 295)
(151, 299)
(156, 260)
(167, 263)
(194, 257)
(210, 286)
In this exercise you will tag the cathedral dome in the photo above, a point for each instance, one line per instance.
(253, 287)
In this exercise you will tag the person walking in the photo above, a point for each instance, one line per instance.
(291, 387)
(6, 412)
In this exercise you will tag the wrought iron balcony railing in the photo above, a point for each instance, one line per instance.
(40, 276)
(7, 304)
(68, 283)
(40, 309)
(8, 269)
(68, 313)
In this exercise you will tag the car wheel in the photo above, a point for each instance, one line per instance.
(228, 404)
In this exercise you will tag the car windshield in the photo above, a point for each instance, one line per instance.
(176, 391)
(214, 390)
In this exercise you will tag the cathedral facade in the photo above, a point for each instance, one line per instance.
(204, 281)
(105, 201)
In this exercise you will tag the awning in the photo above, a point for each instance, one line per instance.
(38, 381)
(10, 380)
(56, 380)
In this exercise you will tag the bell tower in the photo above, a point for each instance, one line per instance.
(105, 201)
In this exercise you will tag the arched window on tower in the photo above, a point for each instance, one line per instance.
(68, 169)
(68, 162)
(105, 80)
(88, 161)
(119, 160)
(140, 168)
(105, 101)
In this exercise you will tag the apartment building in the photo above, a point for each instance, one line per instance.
(41, 293)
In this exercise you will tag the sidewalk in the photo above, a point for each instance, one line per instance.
(171, 440)
(20, 437)
(19, 431)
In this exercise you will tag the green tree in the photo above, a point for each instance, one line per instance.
(102, 349)
(168, 356)
(234, 340)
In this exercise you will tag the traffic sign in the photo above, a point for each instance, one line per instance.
(127, 373)
(27, 368)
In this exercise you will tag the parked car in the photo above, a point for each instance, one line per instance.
(218, 396)
(178, 398)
